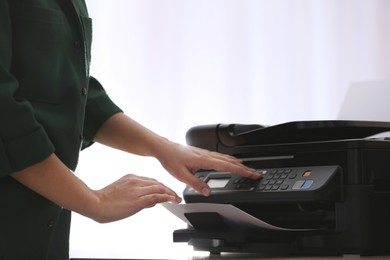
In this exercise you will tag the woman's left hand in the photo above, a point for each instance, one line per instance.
(184, 161)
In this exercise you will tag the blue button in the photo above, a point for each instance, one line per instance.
(307, 184)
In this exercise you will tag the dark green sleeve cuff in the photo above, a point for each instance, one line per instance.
(23, 152)
(99, 108)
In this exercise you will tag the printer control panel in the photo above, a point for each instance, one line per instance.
(275, 182)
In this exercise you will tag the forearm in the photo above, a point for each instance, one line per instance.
(123, 133)
(122, 198)
(54, 181)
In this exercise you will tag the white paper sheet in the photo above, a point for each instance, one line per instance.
(231, 214)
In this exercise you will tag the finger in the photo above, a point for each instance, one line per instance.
(223, 166)
(134, 186)
(218, 155)
(156, 189)
(150, 200)
(226, 157)
(223, 162)
(139, 178)
(138, 181)
(194, 182)
(230, 159)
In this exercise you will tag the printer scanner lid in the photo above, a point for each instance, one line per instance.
(290, 132)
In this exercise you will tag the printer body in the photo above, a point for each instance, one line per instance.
(326, 183)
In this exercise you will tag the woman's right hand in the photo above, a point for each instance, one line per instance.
(129, 195)
(123, 198)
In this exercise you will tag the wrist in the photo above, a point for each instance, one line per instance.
(95, 209)
(160, 147)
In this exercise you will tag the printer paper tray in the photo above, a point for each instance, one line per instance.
(231, 215)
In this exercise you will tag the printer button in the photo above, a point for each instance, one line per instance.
(283, 176)
(307, 184)
(261, 187)
(275, 187)
(284, 187)
(292, 176)
(297, 185)
(268, 187)
(278, 182)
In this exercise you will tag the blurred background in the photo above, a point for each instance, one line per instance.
(174, 64)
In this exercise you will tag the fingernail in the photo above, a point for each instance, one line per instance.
(175, 199)
(256, 174)
(206, 191)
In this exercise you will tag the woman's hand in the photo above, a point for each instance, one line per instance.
(121, 199)
(129, 195)
(122, 132)
(184, 161)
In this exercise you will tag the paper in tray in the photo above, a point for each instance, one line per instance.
(231, 214)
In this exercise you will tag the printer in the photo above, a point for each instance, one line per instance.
(327, 183)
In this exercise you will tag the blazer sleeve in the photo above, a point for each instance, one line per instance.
(23, 141)
(99, 108)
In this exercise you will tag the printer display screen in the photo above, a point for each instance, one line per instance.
(218, 183)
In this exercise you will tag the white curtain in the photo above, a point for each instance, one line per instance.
(173, 64)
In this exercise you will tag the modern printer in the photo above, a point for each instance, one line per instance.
(328, 179)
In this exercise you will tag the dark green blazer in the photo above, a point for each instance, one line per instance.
(48, 103)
